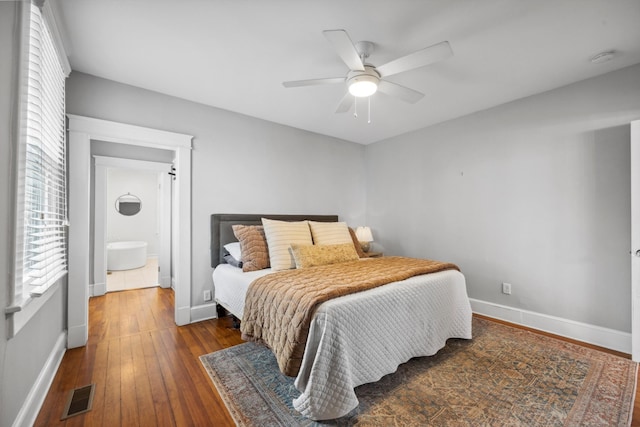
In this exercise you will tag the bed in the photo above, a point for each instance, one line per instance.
(357, 338)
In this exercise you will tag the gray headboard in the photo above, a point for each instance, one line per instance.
(221, 232)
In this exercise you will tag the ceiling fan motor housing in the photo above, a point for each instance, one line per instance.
(368, 77)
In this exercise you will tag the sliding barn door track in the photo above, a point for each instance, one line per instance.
(80, 400)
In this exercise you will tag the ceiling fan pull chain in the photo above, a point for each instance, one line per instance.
(355, 107)
(369, 118)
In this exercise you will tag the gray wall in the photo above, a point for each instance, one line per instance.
(126, 151)
(142, 226)
(23, 356)
(239, 163)
(535, 192)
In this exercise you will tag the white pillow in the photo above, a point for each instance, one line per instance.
(280, 236)
(330, 233)
(234, 250)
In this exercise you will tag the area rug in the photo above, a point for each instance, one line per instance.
(504, 376)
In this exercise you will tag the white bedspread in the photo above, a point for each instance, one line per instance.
(230, 286)
(359, 338)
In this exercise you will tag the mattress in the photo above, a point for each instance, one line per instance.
(230, 286)
(359, 338)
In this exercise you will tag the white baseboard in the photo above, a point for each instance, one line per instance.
(592, 334)
(165, 282)
(183, 315)
(97, 289)
(77, 336)
(32, 404)
(203, 312)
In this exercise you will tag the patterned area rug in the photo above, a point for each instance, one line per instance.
(504, 376)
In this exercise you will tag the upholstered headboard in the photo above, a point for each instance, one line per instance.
(222, 233)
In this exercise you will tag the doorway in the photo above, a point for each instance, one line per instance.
(150, 183)
(82, 131)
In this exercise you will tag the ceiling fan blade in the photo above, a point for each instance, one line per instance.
(344, 47)
(313, 82)
(404, 93)
(423, 57)
(345, 104)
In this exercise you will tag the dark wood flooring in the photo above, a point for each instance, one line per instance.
(146, 369)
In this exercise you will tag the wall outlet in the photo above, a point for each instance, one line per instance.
(207, 295)
(506, 288)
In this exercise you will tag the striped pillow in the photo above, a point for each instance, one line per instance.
(280, 236)
(329, 233)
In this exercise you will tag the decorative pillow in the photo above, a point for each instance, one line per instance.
(329, 233)
(313, 255)
(234, 249)
(280, 236)
(356, 243)
(255, 253)
(229, 259)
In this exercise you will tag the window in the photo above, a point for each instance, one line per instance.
(41, 214)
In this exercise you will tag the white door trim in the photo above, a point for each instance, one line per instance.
(635, 240)
(81, 131)
(103, 163)
(164, 227)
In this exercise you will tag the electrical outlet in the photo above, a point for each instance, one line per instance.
(506, 288)
(207, 295)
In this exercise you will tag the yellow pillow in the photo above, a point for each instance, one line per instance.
(312, 255)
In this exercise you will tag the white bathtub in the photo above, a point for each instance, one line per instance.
(126, 255)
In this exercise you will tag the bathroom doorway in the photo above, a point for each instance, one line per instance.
(133, 205)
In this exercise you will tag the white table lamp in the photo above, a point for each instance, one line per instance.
(364, 237)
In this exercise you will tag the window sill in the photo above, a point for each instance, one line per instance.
(18, 316)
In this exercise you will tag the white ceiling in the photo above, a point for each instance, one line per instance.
(235, 54)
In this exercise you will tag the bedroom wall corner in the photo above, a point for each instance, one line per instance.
(535, 193)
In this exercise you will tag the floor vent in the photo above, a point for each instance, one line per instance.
(80, 400)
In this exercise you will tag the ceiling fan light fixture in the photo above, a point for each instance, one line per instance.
(363, 80)
(363, 85)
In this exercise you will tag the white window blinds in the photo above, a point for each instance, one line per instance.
(44, 215)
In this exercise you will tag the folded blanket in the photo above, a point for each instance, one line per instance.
(279, 306)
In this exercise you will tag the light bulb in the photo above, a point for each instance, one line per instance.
(363, 86)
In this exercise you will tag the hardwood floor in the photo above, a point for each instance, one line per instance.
(146, 369)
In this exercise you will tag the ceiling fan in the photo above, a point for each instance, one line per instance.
(364, 79)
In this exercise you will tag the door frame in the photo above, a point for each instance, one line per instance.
(82, 130)
(102, 165)
(635, 240)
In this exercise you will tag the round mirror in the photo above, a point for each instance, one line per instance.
(128, 204)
